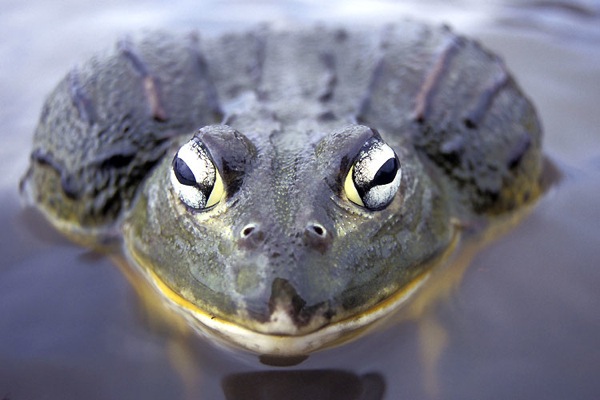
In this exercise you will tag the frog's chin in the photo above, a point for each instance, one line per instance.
(279, 336)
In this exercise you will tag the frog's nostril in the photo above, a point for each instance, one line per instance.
(317, 230)
(251, 235)
(317, 237)
(247, 231)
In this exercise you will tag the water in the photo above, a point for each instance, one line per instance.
(523, 324)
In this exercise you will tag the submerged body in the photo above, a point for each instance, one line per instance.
(332, 171)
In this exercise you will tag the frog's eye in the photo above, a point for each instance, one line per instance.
(195, 178)
(374, 178)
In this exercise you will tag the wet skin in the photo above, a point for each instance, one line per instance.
(333, 169)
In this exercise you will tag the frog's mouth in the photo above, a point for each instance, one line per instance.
(286, 339)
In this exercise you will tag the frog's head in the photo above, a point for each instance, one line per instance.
(284, 246)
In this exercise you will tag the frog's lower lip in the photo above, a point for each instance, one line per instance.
(288, 341)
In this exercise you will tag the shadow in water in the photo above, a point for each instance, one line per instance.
(303, 384)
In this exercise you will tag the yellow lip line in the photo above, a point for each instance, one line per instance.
(285, 345)
(232, 334)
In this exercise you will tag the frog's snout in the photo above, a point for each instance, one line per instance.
(284, 275)
(313, 235)
(287, 306)
(285, 312)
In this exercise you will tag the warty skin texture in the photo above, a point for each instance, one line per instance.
(283, 115)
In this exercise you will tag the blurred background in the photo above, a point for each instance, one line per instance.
(523, 324)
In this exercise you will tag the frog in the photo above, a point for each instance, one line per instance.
(286, 188)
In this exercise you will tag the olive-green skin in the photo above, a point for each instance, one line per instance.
(283, 115)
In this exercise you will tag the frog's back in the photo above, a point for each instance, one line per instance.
(455, 101)
(108, 123)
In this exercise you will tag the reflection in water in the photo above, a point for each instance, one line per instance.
(275, 361)
(302, 385)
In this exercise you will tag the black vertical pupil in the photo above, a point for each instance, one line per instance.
(183, 173)
(386, 173)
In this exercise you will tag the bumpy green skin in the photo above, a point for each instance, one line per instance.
(298, 106)
(101, 130)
